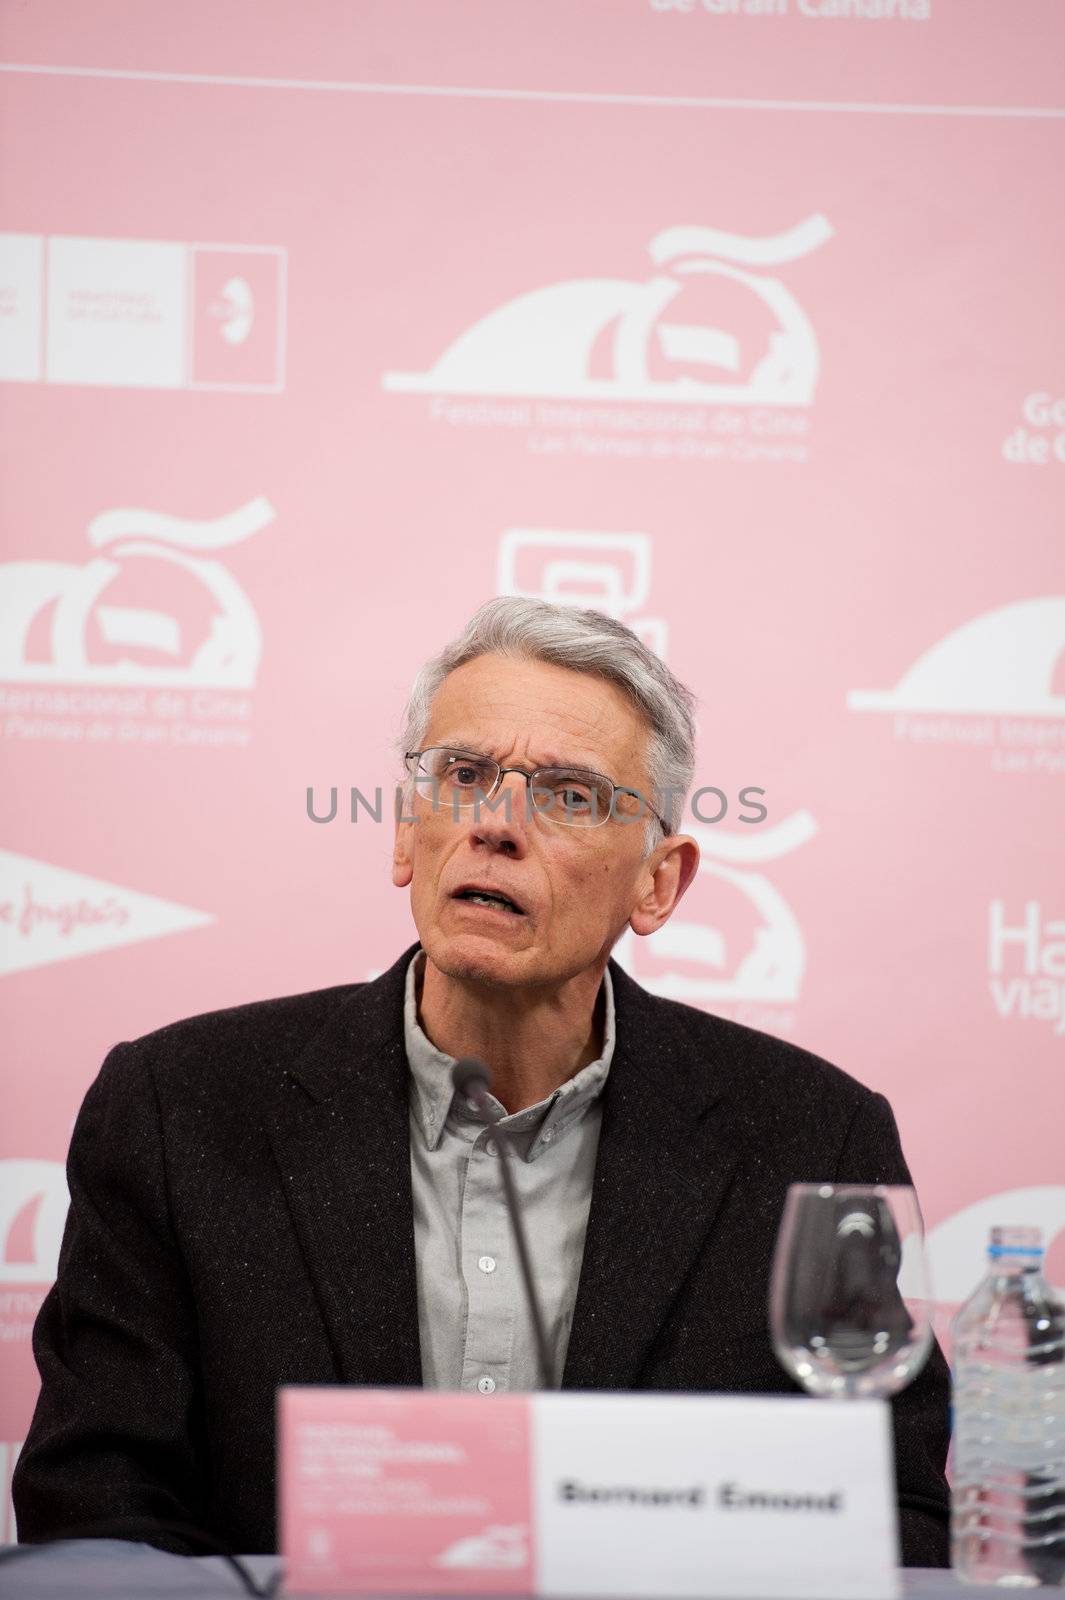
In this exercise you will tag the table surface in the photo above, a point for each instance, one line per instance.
(86, 1568)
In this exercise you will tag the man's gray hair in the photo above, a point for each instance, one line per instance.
(582, 641)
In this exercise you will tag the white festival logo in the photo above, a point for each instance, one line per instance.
(227, 658)
(608, 572)
(542, 342)
(234, 310)
(771, 969)
(1002, 661)
(49, 913)
(26, 1184)
(501, 1546)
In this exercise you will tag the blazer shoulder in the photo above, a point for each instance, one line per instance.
(743, 1062)
(744, 1049)
(785, 1097)
(255, 1037)
(227, 1061)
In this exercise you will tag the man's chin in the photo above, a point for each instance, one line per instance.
(477, 958)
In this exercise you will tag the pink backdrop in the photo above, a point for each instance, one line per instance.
(320, 324)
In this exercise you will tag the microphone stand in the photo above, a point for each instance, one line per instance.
(472, 1079)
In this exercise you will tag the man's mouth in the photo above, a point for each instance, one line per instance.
(490, 898)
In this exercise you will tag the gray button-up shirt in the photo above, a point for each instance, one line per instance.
(473, 1319)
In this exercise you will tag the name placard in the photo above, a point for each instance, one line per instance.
(400, 1491)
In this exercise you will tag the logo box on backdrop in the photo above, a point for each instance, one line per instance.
(396, 1491)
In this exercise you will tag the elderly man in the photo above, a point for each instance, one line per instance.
(289, 1192)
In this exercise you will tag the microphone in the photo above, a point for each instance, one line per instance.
(472, 1079)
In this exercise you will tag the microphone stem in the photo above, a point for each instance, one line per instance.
(506, 1155)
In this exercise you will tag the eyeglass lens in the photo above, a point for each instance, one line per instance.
(560, 794)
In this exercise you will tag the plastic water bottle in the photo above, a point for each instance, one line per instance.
(1008, 1496)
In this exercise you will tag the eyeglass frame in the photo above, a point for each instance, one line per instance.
(501, 773)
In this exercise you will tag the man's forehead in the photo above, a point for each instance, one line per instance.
(562, 717)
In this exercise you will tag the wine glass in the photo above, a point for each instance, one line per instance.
(850, 1307)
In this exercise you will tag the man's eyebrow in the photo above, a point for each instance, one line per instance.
(582, 763)
(471, 747)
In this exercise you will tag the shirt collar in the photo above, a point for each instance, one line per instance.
(541, 1125)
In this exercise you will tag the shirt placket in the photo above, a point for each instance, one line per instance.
(488, 1270)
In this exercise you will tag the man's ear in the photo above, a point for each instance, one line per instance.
(403, 848)
(670, 870)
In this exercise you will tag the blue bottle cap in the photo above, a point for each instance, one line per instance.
(1025, 1242)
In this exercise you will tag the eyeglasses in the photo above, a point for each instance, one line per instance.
(570, 796)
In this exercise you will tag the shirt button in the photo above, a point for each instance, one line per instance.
(490, 1147)
(487, 1263)
(486, 1385)
(547, 1136)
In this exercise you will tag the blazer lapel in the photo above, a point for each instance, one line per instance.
(340, 1135)
(668, 1150)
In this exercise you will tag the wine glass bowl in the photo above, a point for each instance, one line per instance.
(850, 1308)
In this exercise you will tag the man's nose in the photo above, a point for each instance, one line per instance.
(503, 821)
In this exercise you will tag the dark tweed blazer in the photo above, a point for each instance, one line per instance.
(241, 1218)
